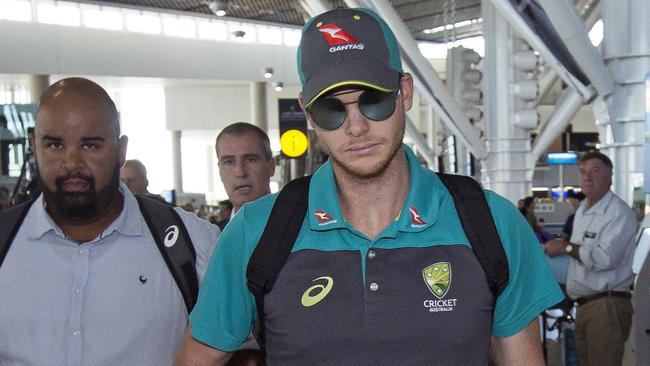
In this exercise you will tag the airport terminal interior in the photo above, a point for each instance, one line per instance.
(510, 92)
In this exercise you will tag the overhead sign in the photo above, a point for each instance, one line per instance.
(562, 158)
(293, 128)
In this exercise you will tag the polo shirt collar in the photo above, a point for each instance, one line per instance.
(127, 223)
(418, 213)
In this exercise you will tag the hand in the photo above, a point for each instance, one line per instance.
(555, 247)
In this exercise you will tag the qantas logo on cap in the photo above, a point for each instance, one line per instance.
(339, 39)
(324, 218)
(416, 219)
(335, 35)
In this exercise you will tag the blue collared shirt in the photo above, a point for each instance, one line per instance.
(110, 301)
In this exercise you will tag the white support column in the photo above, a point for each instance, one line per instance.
(508, 144)
(258, 104)
(177, 161)
(626, 49)
(37, 85)
(566, 108)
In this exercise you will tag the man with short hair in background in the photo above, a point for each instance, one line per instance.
(245, 161)
(83, 282)
(134, 174)
(600, 275)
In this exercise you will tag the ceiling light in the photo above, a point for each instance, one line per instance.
(278, 85)
(268, 72)
(218, 7)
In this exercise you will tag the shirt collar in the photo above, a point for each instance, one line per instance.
(418, 213)
(127, 223)
(600, 206)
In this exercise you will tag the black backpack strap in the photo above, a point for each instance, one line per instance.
(476, 219)
(175, 245)
(10, 221)
(275, 245)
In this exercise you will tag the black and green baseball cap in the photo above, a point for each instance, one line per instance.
(347, 47)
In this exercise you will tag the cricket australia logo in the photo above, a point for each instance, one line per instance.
(437, 277)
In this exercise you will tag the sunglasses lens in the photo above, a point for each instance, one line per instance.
(376, 105)
(328, 113)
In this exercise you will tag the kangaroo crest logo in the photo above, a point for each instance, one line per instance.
(438, 278)
(335, 35)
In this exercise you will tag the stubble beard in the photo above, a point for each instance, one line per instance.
(376, 171)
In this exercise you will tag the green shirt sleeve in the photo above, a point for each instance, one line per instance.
(225, 310)
(531, 287)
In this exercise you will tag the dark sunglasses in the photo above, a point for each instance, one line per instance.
(329, 113)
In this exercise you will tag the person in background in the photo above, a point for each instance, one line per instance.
(5, 198)
(134, 174)
(600, 275)
(224, 212)
(246, 163)
(189, 207)
(574, 199)
(246, 166)
(354, 290)
(528, 210)
(83, 282)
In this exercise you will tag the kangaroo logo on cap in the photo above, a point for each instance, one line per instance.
(335, 35)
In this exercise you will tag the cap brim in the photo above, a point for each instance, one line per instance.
(370, 75)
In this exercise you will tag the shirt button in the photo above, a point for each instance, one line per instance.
(81, 251)
(372, 254)
(374, 287)
(77, 290)
(76, 333)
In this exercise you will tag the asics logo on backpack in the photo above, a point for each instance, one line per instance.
(171, 235)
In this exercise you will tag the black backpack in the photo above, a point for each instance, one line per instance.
(289, 211)
(164, 224)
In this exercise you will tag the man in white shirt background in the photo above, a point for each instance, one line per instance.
(600, 275)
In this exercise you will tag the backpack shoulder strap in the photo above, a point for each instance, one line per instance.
(10, 221)
(275, 244)
(175, 245)
(476, 218)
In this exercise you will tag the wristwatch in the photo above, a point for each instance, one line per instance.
(568, 249)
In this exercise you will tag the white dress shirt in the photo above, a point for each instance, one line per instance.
(605, 233)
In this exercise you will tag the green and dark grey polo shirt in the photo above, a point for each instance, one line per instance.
(414, 295)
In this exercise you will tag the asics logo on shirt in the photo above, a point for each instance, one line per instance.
(318, 292)
(171, 235)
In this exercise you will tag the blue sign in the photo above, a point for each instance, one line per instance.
(562, 158)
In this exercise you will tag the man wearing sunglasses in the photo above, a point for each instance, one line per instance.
(369, 280)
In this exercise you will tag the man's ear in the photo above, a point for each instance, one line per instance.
(32, 140)
(406, 84)
(122, 143)
(307, 115)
